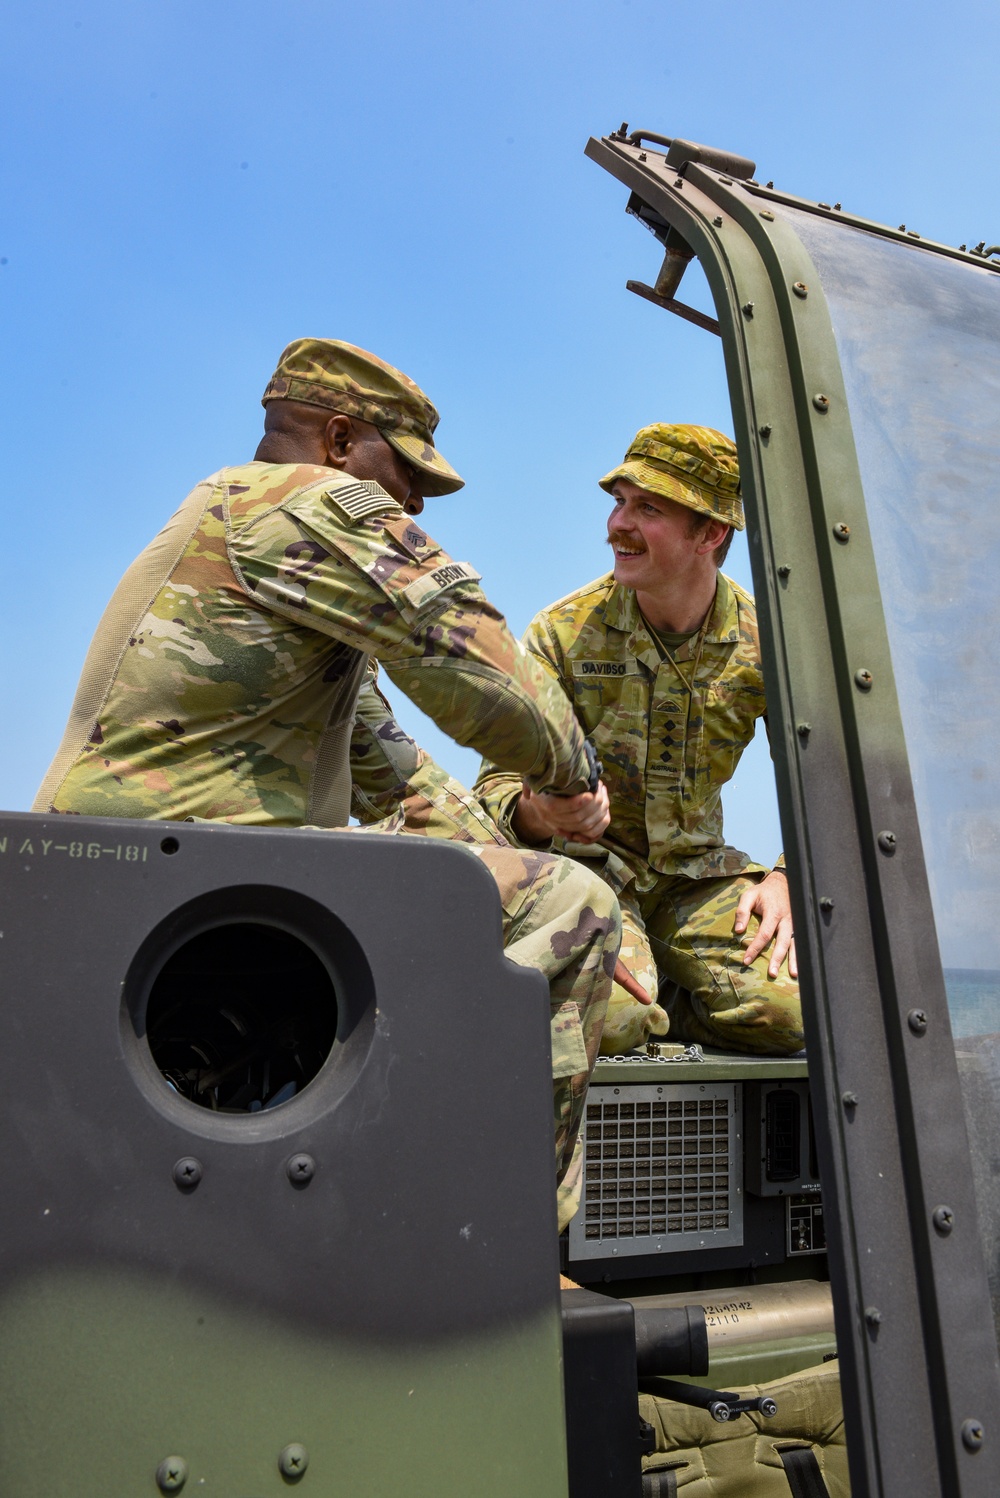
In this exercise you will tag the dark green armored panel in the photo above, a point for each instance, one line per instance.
(864, 372)
(352, 1289)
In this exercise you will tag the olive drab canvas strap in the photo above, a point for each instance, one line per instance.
(803, 1473)
(660, 1482)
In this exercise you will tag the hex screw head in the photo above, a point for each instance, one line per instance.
(873, 1315)
(765, 430)
(943, 1219)
(842, 532)
(849, 1099)
(825, 903)
(717, 221)
(972, 1435)
(803, 730)
(887, 842)
(748, 309)
(784, 570)
(187, 1172)
(300, 1169)
(917, 1021)
(863, 680)
(293, 1461)
(822, 403)
(171, 1474)
(800, 288)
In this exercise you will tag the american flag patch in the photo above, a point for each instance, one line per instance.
(357, 500)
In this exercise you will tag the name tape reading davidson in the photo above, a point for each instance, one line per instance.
(605, 668)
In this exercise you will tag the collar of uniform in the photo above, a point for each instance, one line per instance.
(622, 612)
(724, 624)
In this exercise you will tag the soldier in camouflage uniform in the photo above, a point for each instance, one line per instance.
(661, 661)
(222, 682)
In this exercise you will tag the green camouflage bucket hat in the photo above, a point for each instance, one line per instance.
(696, 466)
(327, 372)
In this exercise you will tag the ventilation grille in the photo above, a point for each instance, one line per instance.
(661, 1171)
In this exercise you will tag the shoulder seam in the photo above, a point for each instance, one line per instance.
(600, 584)
(741, 593)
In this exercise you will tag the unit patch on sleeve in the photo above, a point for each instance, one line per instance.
(362, 498)
(427, 587)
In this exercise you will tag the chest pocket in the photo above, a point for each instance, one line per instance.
(612, 702)
(604, 693)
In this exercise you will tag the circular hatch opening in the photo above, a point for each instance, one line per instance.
(241, 1017)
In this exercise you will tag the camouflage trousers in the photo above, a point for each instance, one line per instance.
(559, 918)
(678, 941)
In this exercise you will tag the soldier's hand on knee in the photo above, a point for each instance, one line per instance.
(539, 816)
(769, 902)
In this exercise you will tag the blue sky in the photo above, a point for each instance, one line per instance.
(187, 186)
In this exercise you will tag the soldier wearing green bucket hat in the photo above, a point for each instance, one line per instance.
(661, 660)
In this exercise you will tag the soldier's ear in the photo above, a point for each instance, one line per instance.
(712, 535)
(338, 435)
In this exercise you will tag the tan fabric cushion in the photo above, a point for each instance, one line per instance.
(740, 1458)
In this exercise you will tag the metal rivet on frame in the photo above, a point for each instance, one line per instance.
(972, 1434)
(171, 1474)
(293, 1460)
(943, 1219)
(187, 1172)
(300, 1169)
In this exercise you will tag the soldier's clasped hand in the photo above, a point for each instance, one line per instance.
(539, 817)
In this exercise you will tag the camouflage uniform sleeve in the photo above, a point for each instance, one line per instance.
(383, 757)
(499, 791)
(380, 584)
(398, 787)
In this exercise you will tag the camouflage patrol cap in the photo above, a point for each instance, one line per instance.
(696, 466)
(328, 372)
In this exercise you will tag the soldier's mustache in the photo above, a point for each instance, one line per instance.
(614, 540)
